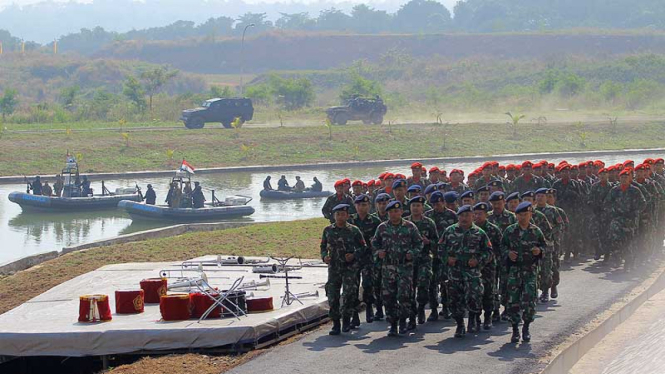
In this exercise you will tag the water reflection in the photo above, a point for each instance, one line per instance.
(24, 234)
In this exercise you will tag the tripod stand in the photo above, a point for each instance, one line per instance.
(289, 297)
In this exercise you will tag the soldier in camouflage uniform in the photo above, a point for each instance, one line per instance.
(597, 195)
(457, 181)
(512, 201)
(489, 272)
(399, 194)
(523, 245)
(466, 250)
(569, 198)
(624, 204)
(539, 219)
(338, 198)
(342, 244)
(396, 243)
(423, 262)
(367, 224)
(527, 181)
(502, 218)
(558, 240)
(416, 176)
(556, 221)
(381, 203)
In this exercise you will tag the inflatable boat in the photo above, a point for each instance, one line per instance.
(287, 195)
(138, 211)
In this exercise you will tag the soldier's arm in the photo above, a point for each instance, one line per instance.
(326, 209)
(361, 247)
(486, 253)
(416, 242)
(435, 241)
(324, 245)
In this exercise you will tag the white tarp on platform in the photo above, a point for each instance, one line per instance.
(48, 324)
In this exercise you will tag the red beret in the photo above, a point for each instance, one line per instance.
(377, 182)
(389, 176)
(582, 165)
(574, 167)
(649, 161)
(434, 169)
(518, 167)
(625, 171)
(443, 172)
(365, 184)
(550, 165)
(400, 176)
(501, 167)
(456, 171)
(339, 184)
(416, 165)
(602, 170)
(424, 169)
(370, 183)
(641, 167)
(563, 162)
(382, 175)
(527, 164)
(562, 167)
(347, 180)
(357, 183)
(628, 162)
(659, 161)
(485, 166)
(537, 166)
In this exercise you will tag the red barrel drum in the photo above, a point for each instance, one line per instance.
(154, 288)
(175, 307)
(201, 303)
(94, 308)
(259, 304)
(129, 302)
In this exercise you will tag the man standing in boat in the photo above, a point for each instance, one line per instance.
(58, 185)
(36, 186)
(198, 200)
(46, 189)
(150, 196)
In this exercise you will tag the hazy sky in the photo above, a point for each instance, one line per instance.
(448, 3)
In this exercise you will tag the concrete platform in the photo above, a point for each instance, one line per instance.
(47, 325)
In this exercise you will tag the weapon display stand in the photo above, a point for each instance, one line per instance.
(289, 297)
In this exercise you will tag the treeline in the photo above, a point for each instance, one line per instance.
(416, 16)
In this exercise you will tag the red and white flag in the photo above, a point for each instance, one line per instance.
(187, 167)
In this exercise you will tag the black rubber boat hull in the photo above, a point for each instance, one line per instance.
(30, 202)
(140, 211)
(282, 195)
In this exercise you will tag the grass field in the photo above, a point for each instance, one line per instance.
(110, 151)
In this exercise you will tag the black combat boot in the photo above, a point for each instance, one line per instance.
(554, 293)
(545, 296)
(402, 326)
(461, 330)
(526, 335)
(434, 316)
(369, 313)
(378, 316)
(472, 323)
(335, 328)
(393, 329)
(355, 322)
(421, 314)
(516, 334)
(346, 324)
(487, 324)
(478, 322)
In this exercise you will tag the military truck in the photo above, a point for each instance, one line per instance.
(368, 110)
(223, 110)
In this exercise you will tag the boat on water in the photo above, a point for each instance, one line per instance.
(288, 195)
(76, 195)
(183, 209)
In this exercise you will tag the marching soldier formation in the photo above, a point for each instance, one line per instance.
(493, 241)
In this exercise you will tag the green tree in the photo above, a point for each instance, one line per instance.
(260, 93)
(295, 21)
(360, 86)
(225, 91)
(68, 96)
(133, 91)
(8, 102)
(294, 93)
(422, 16)
(155, 79)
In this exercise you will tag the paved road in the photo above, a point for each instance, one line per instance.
(587, 289)
(635, 347)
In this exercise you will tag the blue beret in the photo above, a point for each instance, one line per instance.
(436, 197)
(497, 196)
(542, 190)
(417, 199)
(431, 188)
(483, 189)
(464, 209)
(399, 183)
(512, 196)
(495, 183)
(485, 207)
(524, 207)
(442, 186)
(382, 197)
(341, 208)
(450, 196)
(415, 188)
(528, 194)
(394, 205)
(361, 199)
(467, 194)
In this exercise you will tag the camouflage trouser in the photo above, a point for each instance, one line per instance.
(573, 237)
(338, 279)
(503, 285)
(621, 234)
(465, 291)
(489, 287)
(522, 293)
(376, 283)
(366, 279)
(438, 284)
(422, 276)
(644, 237)
(397, 287)
(545, 274)
(556, 263)
(497, 284)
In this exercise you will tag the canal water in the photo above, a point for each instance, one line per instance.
(25, 234)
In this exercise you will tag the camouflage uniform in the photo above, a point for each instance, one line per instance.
(336, 242)
(422, 264)
(333, 201)
(396, 271)
(465, 285)
(548, 262)
(523, 273)
(569, 198)
(540, 220)
(439, 268)
(558, 251)
(489, 272)
(523, 184)
(502, 221)
(368, 227)
(624, 207)
(601, 221)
